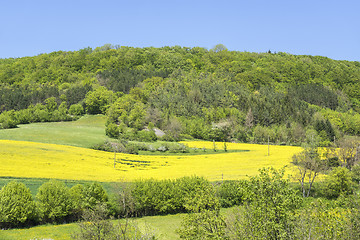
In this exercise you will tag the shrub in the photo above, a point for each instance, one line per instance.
(54, 201)
(94, 194)
(77, 195)
(338, 182)
(178, 148)
(187, 194)
(112, 130)
(356, 173)
(270, 210)
(76, 110)
(232, 192)
(16, 205)
(206, 224)
(131, 149)
(146, 136)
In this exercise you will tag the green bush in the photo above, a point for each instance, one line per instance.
(269, 212)
(131, 148)
(355, 173)
(338, 182)
(17, 207)
(54, 201)
(146, 136)
(232, 193)
(94, 194)
(178, 148)
(187, 194)
(76, 110)
(112, 130)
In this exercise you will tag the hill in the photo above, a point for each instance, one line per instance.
(188, 92)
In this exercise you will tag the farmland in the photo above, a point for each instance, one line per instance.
(42, 160)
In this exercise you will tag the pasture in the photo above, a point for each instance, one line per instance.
(85, 132)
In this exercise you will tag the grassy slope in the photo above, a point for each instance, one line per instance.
(163, 226)
(85, 132)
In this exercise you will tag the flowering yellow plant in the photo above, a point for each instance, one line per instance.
(39, 160)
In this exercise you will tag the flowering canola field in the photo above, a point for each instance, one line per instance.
(40, 160)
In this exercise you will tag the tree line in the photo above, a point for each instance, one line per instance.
(266, 206)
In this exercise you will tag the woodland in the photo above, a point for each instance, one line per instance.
(197, 93)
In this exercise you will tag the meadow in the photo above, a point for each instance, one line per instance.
(164, 228)
(85, 132)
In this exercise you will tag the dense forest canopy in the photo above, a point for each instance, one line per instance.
(194, 92)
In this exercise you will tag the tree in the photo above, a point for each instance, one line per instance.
(76, 110)
(204, 220)
(122, 202)
(94, 225)
(349, 152)
(207, 224)
(137, 115)
(99, 100)
(97, 226)
(338, 182)
(51, 104)
(309, 164)
(16, 205)
(112, 130)
(270, 209)
(219, 48)
(94, 194)
(54, 201)
(249, 120)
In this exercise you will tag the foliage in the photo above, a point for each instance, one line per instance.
(96, 226)
(270, 210)
(310, 164)
(212, 94)
(338, 182)
(16, 205)
(355, 173)
(98, 100)
(76, 109)
(94, 194)
(321, 221)
(207, 224)
(173, 196)
(232, 193)
(54, 201)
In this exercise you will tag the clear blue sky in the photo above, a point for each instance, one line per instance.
(315, 27)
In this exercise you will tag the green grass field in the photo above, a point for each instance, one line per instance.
(85, 132)
(164, 228)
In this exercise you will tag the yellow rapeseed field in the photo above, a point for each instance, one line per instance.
(39, 160)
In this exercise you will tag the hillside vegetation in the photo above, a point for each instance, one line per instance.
(187, 92)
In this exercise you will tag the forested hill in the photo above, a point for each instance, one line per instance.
(183, 89)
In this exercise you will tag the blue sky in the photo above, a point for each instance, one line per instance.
(313, 27)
